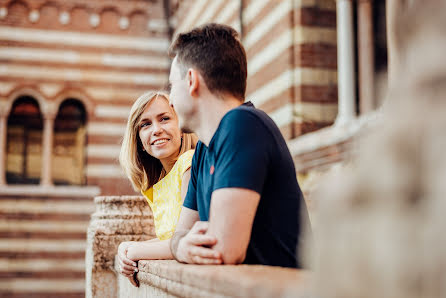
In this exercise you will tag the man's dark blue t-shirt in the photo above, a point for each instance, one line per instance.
(248, 151)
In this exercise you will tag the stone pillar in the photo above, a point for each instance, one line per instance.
(346, 62)
(394, 9)
(366, 56)
(392, 64)
(47, 147)
(3, 149)
(116, 219)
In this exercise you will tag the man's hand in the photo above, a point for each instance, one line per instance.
(195, 247)
(126, 266)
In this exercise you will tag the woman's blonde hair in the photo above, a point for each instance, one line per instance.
(142, 169)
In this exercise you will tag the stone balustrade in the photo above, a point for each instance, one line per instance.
(116, 219)
(129, 218)
(168, 278)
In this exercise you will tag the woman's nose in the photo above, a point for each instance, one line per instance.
(157, 128)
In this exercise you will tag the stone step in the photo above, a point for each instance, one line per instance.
(20, 225)
(42, 235)
(43, 239)
(44, 216)
(57, 274)
(43, 295)
(36, 245)
(42, 247)
(41, 265)
(42, 285)
(46, 206)
(56, 255)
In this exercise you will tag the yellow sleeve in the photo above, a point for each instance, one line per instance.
(185, 161)
(148, 194)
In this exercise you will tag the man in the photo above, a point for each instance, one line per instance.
(243, 203)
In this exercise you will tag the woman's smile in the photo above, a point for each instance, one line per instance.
(158, 143)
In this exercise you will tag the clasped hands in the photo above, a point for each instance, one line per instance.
(196, 247)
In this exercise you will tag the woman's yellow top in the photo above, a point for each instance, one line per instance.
(165, 197)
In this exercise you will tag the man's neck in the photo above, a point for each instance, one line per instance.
(211, 112)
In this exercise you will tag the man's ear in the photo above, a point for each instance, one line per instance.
(193, 81)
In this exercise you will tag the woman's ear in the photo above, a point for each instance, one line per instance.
(193, 81)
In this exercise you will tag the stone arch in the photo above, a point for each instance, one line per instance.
(18, 13)
(31, 91)
(109, 20)
(77, 94)
(138, 20)
(49, 14)
(80, 17)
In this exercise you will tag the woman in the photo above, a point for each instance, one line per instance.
(156, 157)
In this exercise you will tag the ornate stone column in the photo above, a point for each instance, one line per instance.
(346, 62)
(117, 219)
(47, 147)
(366, 56)
(3, 149)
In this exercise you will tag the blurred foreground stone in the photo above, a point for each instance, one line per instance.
(381, 219)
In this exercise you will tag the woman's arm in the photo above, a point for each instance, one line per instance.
(151, 249)
(132, 251)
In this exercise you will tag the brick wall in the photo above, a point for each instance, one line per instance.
(291, 50)
(103, 53)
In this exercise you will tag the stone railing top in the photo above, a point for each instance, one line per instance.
(118, 199)
(224, 280)
(123, 207)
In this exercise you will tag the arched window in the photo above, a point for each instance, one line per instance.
(69, 144)
(24, 142)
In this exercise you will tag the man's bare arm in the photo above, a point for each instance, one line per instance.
(190, 244)
(231, 217)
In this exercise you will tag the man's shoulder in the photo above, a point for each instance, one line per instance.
(200, 152)
(243, 115)
(248, 118)
(199, 148)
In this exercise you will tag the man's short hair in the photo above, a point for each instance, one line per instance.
(216, 52)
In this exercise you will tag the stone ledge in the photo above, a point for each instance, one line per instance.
(49, 191)
(170, 278)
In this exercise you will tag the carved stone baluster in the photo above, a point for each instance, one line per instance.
(117, 219)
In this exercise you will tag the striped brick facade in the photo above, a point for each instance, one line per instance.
(102, 53)
(291, 50)
(42, 244)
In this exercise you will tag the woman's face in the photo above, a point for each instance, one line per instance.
(159, 131)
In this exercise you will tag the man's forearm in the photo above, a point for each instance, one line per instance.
(174, 241)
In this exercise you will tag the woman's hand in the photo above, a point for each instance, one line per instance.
(134, 280)
(126, 266)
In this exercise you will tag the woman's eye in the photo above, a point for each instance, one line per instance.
(145, 124)
(165, 118)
